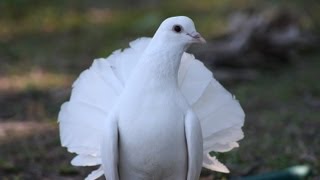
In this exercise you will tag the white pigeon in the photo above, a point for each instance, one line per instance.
(151, 111)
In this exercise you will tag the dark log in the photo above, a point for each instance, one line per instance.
(266, 40)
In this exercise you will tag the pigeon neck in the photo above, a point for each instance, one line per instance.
(160, 63)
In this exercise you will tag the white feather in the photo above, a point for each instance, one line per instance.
(213, 164)
(93, 95)
(95, 174)
(86, 160)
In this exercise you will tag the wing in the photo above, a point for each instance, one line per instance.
(220, 114)
(110, 149)
(194, 145)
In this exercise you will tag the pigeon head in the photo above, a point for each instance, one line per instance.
(179, 30)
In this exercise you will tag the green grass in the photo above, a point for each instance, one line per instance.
(281, 125)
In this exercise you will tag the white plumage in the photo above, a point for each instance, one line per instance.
(98, 90)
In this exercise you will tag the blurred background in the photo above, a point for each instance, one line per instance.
(266, 52)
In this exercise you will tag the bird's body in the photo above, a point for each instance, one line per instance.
(157, 124)
(152, 111)
(154, 121)
(160, 146)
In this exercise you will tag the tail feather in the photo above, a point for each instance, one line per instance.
(95, 174)
(224, 140)
(123, 62)
(213, 164)
(86, 160)
(193, 78)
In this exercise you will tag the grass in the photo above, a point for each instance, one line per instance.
(281, 123)
(280, 113)
(44, 45)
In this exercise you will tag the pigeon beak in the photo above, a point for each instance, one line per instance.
(197, 38)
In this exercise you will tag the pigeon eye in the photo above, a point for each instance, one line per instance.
(177, 28)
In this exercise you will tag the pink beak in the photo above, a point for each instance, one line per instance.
(197, 38)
